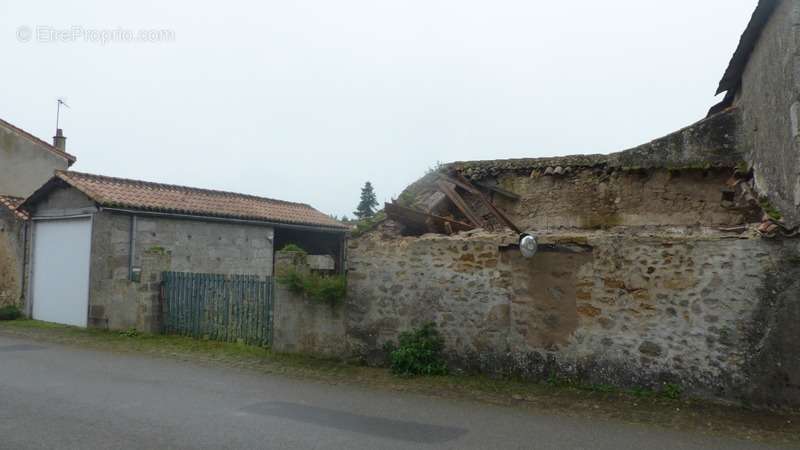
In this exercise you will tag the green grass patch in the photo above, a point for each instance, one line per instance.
(37, 325)
(173, 346)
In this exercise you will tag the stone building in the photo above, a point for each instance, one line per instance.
(13, 235)
(676, 262)
(26, 162)
(762, 84)
(100, 244)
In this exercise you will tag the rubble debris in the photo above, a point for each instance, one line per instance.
(736, 229)
(449, 189)
(448, 203)
(482, 197)
(770, 228)
(418, 222)
(435, 202)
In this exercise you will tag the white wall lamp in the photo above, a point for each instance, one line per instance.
(528, 245)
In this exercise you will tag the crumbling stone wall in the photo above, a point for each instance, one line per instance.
(602, 198)
(649, 272)
(769, 99)
(628, 307)
(12, 247)
(694, 176)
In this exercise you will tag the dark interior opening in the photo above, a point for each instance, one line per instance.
(728, 196)
(313, 242)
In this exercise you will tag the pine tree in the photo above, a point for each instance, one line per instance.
(366, 208)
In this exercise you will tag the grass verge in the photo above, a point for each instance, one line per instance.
(550, 397)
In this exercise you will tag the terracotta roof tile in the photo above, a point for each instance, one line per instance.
(70, 158)
(141, 195)
(12, 203)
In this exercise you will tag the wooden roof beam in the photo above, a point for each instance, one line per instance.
(449, 190)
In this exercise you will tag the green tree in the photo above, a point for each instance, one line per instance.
(366, 208)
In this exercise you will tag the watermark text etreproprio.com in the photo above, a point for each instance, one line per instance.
(50, 34)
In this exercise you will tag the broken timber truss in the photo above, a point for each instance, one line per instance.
(420, 222)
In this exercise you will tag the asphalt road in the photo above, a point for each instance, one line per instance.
(54, 397)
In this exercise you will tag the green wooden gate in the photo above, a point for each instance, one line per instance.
(220, 307)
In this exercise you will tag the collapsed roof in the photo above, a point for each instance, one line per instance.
(458, 196)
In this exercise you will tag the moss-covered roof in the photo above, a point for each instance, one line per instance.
(710, 143)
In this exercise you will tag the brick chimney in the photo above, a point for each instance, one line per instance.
(59, 140)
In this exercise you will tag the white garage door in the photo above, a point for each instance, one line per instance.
(61, 270)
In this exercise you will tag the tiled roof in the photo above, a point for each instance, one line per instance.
(145, 196)
(12, 203)
(70, 158)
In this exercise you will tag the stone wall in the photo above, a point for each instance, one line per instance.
(686, 178)
(302, 325)
(12, 248)
(628, 307)
(769, 98)
(601, 198)
(63, 200)
(164, 244)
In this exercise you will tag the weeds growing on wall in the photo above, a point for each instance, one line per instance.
(365, 225)
(406, 198)
(769, 209)
(156, 250)
(10, 313)
(293, 248)
(329, 289)
(418, 352)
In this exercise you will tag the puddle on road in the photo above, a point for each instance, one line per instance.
(20, 348)
(370, 425)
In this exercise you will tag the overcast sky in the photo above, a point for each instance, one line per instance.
(307, 100)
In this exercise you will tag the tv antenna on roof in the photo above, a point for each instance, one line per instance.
(58, 110)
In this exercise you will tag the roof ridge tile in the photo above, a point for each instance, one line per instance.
(150, 196)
